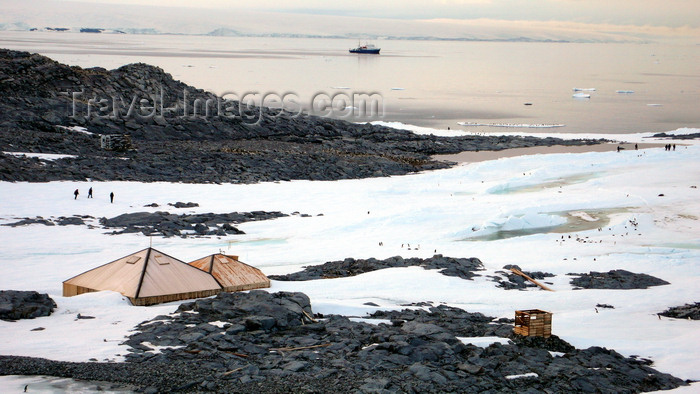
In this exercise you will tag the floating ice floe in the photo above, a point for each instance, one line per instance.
(581, 95)
(340, 87)
(654, 105)
(584, 89)
(624, 91)
(398, 89)
(514, 125)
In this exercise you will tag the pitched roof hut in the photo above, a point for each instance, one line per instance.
(231, 273)
(146, 277)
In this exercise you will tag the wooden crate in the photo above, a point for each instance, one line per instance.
(533, 323)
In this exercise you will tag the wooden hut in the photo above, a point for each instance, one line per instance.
(232, 274)
(533, 323)
(146, 277)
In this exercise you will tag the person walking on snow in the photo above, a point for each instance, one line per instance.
(111, 197)
(90, 193)
(75, 193)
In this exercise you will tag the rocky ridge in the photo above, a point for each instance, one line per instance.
(615, 279)
(161, 223)
(508, 280)
(464, 268)
(49, 107)
(687, 311)
(271, 343)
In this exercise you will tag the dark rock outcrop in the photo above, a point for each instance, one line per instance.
(15, 305)
(168, 224)
(687, 311)
(688, 136)
(272, 343)
(510, 281)
(43, 102)
(615, 279)
(181, 204)
(162, 223)
(464, 268)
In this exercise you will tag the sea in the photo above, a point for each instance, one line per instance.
(457, 85)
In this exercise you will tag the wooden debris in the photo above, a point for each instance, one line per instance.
(231, 371)
(309, 316)
(518, 272)
(237, 354)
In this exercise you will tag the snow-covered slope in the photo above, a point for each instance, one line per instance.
(545, 196)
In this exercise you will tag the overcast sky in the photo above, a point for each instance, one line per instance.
(671, 13)
(538, 20)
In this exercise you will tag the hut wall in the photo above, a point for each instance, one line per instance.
(248, 286)
(70, 290)
(144, 301)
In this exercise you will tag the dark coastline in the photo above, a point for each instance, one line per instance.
(43, 99)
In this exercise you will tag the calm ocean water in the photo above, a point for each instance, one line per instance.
(425, 83)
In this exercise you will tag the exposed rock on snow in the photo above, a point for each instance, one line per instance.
(675, 136)
(180, 204)
(274, 343)
(510, 281)
(615, 279)
(15, 305)
(52, 221)
(464, 268)
(167, 224)
(163, 223)
(687, 311)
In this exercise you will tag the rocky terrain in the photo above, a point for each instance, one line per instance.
(52, 108)
(688, 136)
(162, 223)
(510, 281)
(615, 279)
(467, 268)
(687, 311)
(168, 224)
(15, 305)
(464, 268)
(272, 343)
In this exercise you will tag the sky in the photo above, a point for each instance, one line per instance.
(670, 13)
(559, 20)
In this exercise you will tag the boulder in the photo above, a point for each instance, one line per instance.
(15, 305)
(615, 279)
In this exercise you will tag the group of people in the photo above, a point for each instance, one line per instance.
(669, 146)
(77, 192)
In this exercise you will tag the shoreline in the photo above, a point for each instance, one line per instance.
(479, 156)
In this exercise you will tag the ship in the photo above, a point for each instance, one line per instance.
(367, 48)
